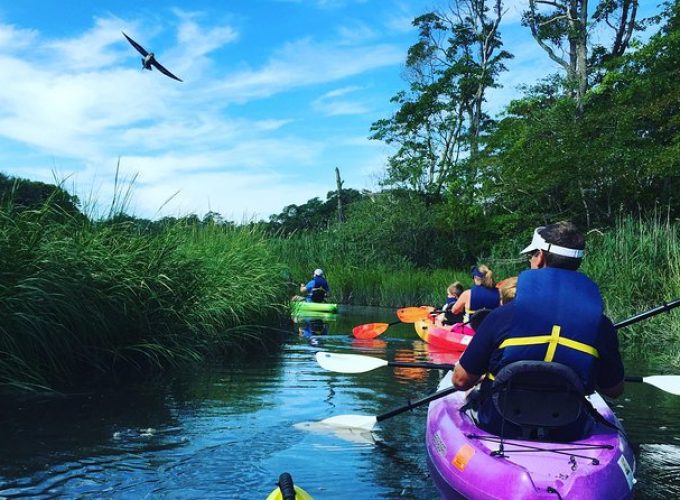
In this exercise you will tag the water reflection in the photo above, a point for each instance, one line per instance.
(229, 431)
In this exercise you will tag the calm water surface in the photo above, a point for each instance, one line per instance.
(229, 432)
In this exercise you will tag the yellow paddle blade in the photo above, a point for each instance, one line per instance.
(422, 326)
(369, 330)
(413, 314)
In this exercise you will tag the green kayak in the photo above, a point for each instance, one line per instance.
(312, 315)
(302, 307)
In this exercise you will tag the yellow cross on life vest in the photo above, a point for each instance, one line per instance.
(552, 340)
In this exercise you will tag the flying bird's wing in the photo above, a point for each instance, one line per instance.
(163, 70)
(139, 48)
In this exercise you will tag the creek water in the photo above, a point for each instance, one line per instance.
(229, 431)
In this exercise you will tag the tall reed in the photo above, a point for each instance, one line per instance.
(81, 300)
(637, 266)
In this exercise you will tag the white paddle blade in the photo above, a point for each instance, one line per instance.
(364, 422)
(349, 434)
(668, 383)
(348, 363)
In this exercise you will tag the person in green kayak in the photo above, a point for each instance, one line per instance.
(556, 316)
(317, 288)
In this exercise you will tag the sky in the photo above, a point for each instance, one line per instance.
(275, 95)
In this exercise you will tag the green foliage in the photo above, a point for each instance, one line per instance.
(398, 228)
(548, 160)
(22, 194)
(314, 215)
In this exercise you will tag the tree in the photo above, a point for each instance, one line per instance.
(622, 158)
(561, 28)
(314, 215)
(441, 118)
(24, 194)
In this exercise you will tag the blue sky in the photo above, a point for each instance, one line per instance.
(276, 94)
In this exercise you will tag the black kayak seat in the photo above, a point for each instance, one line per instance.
(538, 396)
(318, 294)
(477, 317)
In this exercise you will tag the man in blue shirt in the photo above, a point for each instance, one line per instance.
(317, 288)
(557, 316)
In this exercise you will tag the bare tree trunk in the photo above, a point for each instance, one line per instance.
(339, 184)
(582, 55)
(570, 17)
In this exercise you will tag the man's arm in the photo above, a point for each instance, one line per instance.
(474, 362)
(610, 371)
(612, 392)
(462, 380)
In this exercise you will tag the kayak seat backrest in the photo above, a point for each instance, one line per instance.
(477, 318)
(538, 396)
(318, 294)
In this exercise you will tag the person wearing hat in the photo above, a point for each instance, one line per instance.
(482, 295)
(556, 316)
(317, 288)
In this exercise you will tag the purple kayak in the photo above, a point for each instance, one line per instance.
(463, 464)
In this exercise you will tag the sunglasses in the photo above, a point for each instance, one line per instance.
(531, 255)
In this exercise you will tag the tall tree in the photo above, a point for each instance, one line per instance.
(441, 118)
(562, 29)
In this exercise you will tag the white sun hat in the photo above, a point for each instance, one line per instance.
(318, 272)
(538, 243)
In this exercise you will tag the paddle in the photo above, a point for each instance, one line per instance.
(357, 363)
(647, 314)
(413, 314)
(668, 383)
(367, 422)
(371, 330)
(405, 315)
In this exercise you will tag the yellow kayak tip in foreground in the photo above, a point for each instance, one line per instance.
(286, 490)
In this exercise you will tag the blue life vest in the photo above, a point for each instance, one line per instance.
(317, 282)
(557, 318)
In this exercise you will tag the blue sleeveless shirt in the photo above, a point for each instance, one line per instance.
(482, 297)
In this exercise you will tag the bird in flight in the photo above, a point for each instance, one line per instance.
(149, 59)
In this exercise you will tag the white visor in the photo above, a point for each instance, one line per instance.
(538, 243)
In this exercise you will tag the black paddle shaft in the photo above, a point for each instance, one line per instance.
(416, 364)
(416, 404)
(652, 312)
(449, 390)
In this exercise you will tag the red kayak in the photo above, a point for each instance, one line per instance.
(451, 338)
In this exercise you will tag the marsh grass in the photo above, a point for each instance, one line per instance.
(81, 300)
(636, 265)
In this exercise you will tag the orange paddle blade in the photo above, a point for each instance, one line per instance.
(413, 314)
(369, 330)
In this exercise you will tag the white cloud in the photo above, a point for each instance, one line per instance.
(513, 10)
(357, 33)
(13, 39)
(303, 63)
(196, 42)
(90, 51)
(330, 103)
(79, 104)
